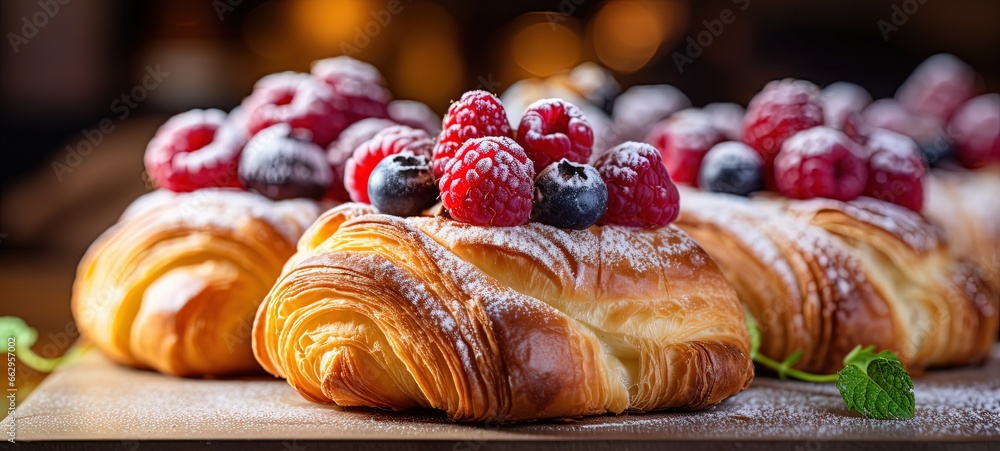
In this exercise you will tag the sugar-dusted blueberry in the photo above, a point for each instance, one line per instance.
(402, 184)
(283, 163)
(733, 168)
(569, 195)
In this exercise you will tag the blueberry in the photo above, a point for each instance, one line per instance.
(732, 168)
(283, 163)
(937, 149)
(569, 195)
(402, 185)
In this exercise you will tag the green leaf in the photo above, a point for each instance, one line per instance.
(754, 332)
(25, 337)
(877, 387)
(860, 357)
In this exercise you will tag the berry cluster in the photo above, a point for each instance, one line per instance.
(837, 143)
(311, 135)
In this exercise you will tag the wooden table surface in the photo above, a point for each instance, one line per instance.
(93, 399)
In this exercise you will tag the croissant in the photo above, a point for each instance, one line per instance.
(967, 206)
(823, 276)
(501, 324)
(174, 285)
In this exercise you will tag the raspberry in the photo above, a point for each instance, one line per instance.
(489, 181)
(553, 129)
(895, 170)
(727, 118)
(341, 150)
(477, 114)
(821, 162)
(976, 130)
(840, 99)
(938, 86)
(298, 100)
(683, 141)
(640, 193)
(193, 150)
(640, 107)
(783, 108)
(927, 131)
(389, 141)
(359, 87)
(415, 114)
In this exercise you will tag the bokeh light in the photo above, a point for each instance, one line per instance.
(627, 34)
(542, 46)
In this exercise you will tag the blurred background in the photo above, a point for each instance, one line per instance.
(70, 66)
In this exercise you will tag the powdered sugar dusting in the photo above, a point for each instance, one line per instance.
(94, 399)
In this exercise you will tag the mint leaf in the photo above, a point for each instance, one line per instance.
(25, 336)
(876, 385)
(754, 333)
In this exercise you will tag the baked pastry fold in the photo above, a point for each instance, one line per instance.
(823, 276)
(501, 324)
(174, 285)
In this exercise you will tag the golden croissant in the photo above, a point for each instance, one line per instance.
(966, 204)
(175, 283)
(501, 324)
(823, 276)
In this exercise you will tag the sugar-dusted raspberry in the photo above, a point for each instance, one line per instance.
(976, 130)
(781, 109)
(640, 192)
(359, 87)
(477, 114)
(553, 129)
(415, 114)
(343, 148)
(390, 141)
(298, 100)
(928, 131)
(840, 99)
(640, 107)
(194, 150)
(821, 162)
(683, 141)
(727, 118)
(895, 169)
(489, 182)
(938, 86)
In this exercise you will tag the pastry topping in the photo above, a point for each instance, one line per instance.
(281, 163)
(727, 118)
(389, 141)
(895, 170)
(298, 100)
(976, 130)
(640, 107)
(683, 141)
(840, 99)
(552, 129)
(732, 168)
(821, 162)
(193, 150)
(783, 108)
(403, 184)
(476, 115)
(938, 86)
(855, 127)
(358, 87)
(416, 115)
(934, 143)
(343, 148)
(640, 192)
(489, 181)
(569, 195)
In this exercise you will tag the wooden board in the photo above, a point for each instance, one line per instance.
(93, 399)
